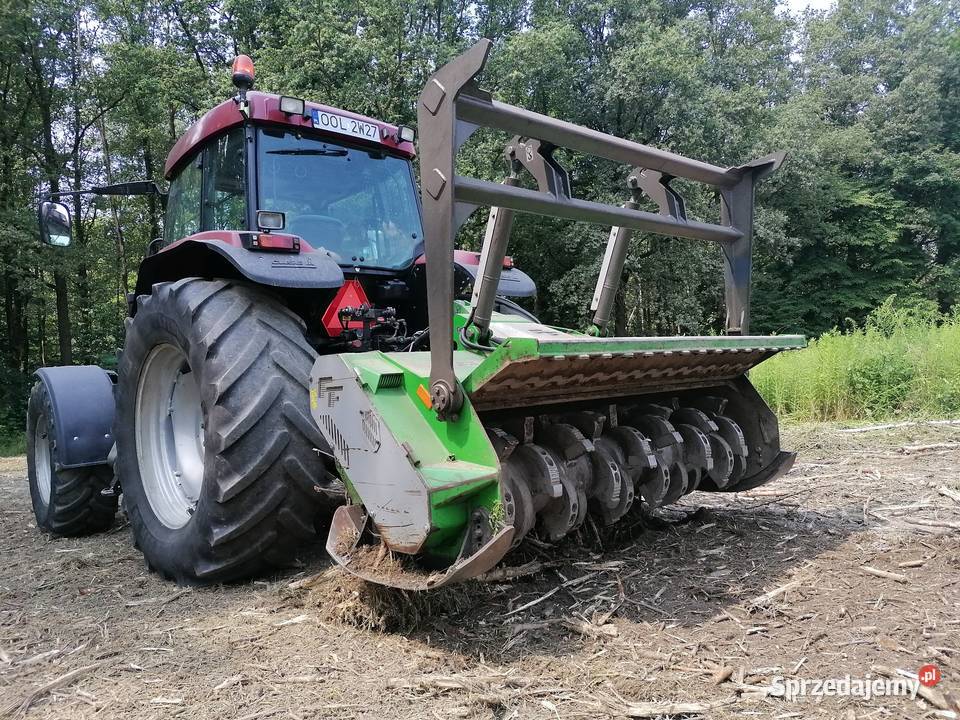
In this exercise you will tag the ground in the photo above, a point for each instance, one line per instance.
(848, 566)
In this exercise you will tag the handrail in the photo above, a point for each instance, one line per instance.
(517, 121)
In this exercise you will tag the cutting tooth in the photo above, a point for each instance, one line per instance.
(655, 486)
(651, 420)
(695, 417)
(651, 479)
(610, 491)
(732, 434)
(571, 451)
(723, 460)
(517, 502)
(503, 442)
(661, 411)
(696, 428)
(697, 454)
(541, 472)
(515, 494)
(613, 490)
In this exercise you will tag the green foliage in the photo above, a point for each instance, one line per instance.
(904, 361)
(14, 390)
(863, 97)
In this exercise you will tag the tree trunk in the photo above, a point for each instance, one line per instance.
(85, 306)
(123, 285)
(620, 308)
(151, 199)
(43, 96)
(63, 318)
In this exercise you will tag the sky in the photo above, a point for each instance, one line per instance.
(798, 6)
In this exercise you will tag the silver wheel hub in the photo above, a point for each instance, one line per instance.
(41, 458)
(170, 435)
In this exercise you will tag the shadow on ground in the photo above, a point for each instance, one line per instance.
(681, 567)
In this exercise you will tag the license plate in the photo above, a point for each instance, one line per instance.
(346, 125)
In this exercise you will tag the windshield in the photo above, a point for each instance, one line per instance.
(358, 204)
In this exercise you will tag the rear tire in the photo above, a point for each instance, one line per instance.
(216, 448)
(66, 502)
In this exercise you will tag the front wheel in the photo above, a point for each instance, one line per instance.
(222, 468)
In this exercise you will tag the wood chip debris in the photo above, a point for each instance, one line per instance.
(511, 573)
(19, 708)
(229, 682)
(722, 674)
(772, 594)
(293, 621)
(527, 606)
(660, 709)
(949, 492)
(470, 683)
(889, 426)
(915, 449)
(876, 572)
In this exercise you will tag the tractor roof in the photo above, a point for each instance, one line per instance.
(265, 108)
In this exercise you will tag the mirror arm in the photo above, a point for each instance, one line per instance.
(154, 189)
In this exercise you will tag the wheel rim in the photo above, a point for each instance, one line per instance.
(41, 458)
(169, 432)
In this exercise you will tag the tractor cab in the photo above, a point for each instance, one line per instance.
(258, 163)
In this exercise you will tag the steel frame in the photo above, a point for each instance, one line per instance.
(452, 107)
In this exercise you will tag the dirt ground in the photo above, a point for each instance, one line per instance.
(705, 605)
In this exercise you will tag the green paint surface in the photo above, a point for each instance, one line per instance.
(454, 460)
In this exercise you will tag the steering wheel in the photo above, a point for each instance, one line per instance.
(320, 231)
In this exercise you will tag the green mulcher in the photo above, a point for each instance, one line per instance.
(507, 427)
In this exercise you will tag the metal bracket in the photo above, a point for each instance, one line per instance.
(441, 134)
(736, 210)
(537, 158)
(551, 177)
(656, 186)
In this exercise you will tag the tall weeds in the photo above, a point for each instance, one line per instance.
(903, 362)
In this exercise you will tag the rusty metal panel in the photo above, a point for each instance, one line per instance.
(591, 376)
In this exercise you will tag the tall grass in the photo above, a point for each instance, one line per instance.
(13, 444)
(903, 362)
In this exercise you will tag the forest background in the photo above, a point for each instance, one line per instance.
(863, 96)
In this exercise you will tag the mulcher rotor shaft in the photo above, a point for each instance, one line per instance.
(603, 463)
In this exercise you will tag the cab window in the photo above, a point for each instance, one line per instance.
(183, 202)
(358, 204)
(224, 205)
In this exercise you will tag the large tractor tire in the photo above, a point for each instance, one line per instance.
(223, 471)
(68, 501)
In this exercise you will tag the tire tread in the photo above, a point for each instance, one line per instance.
(264, 486)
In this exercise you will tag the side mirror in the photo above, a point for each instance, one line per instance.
(55, 224)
